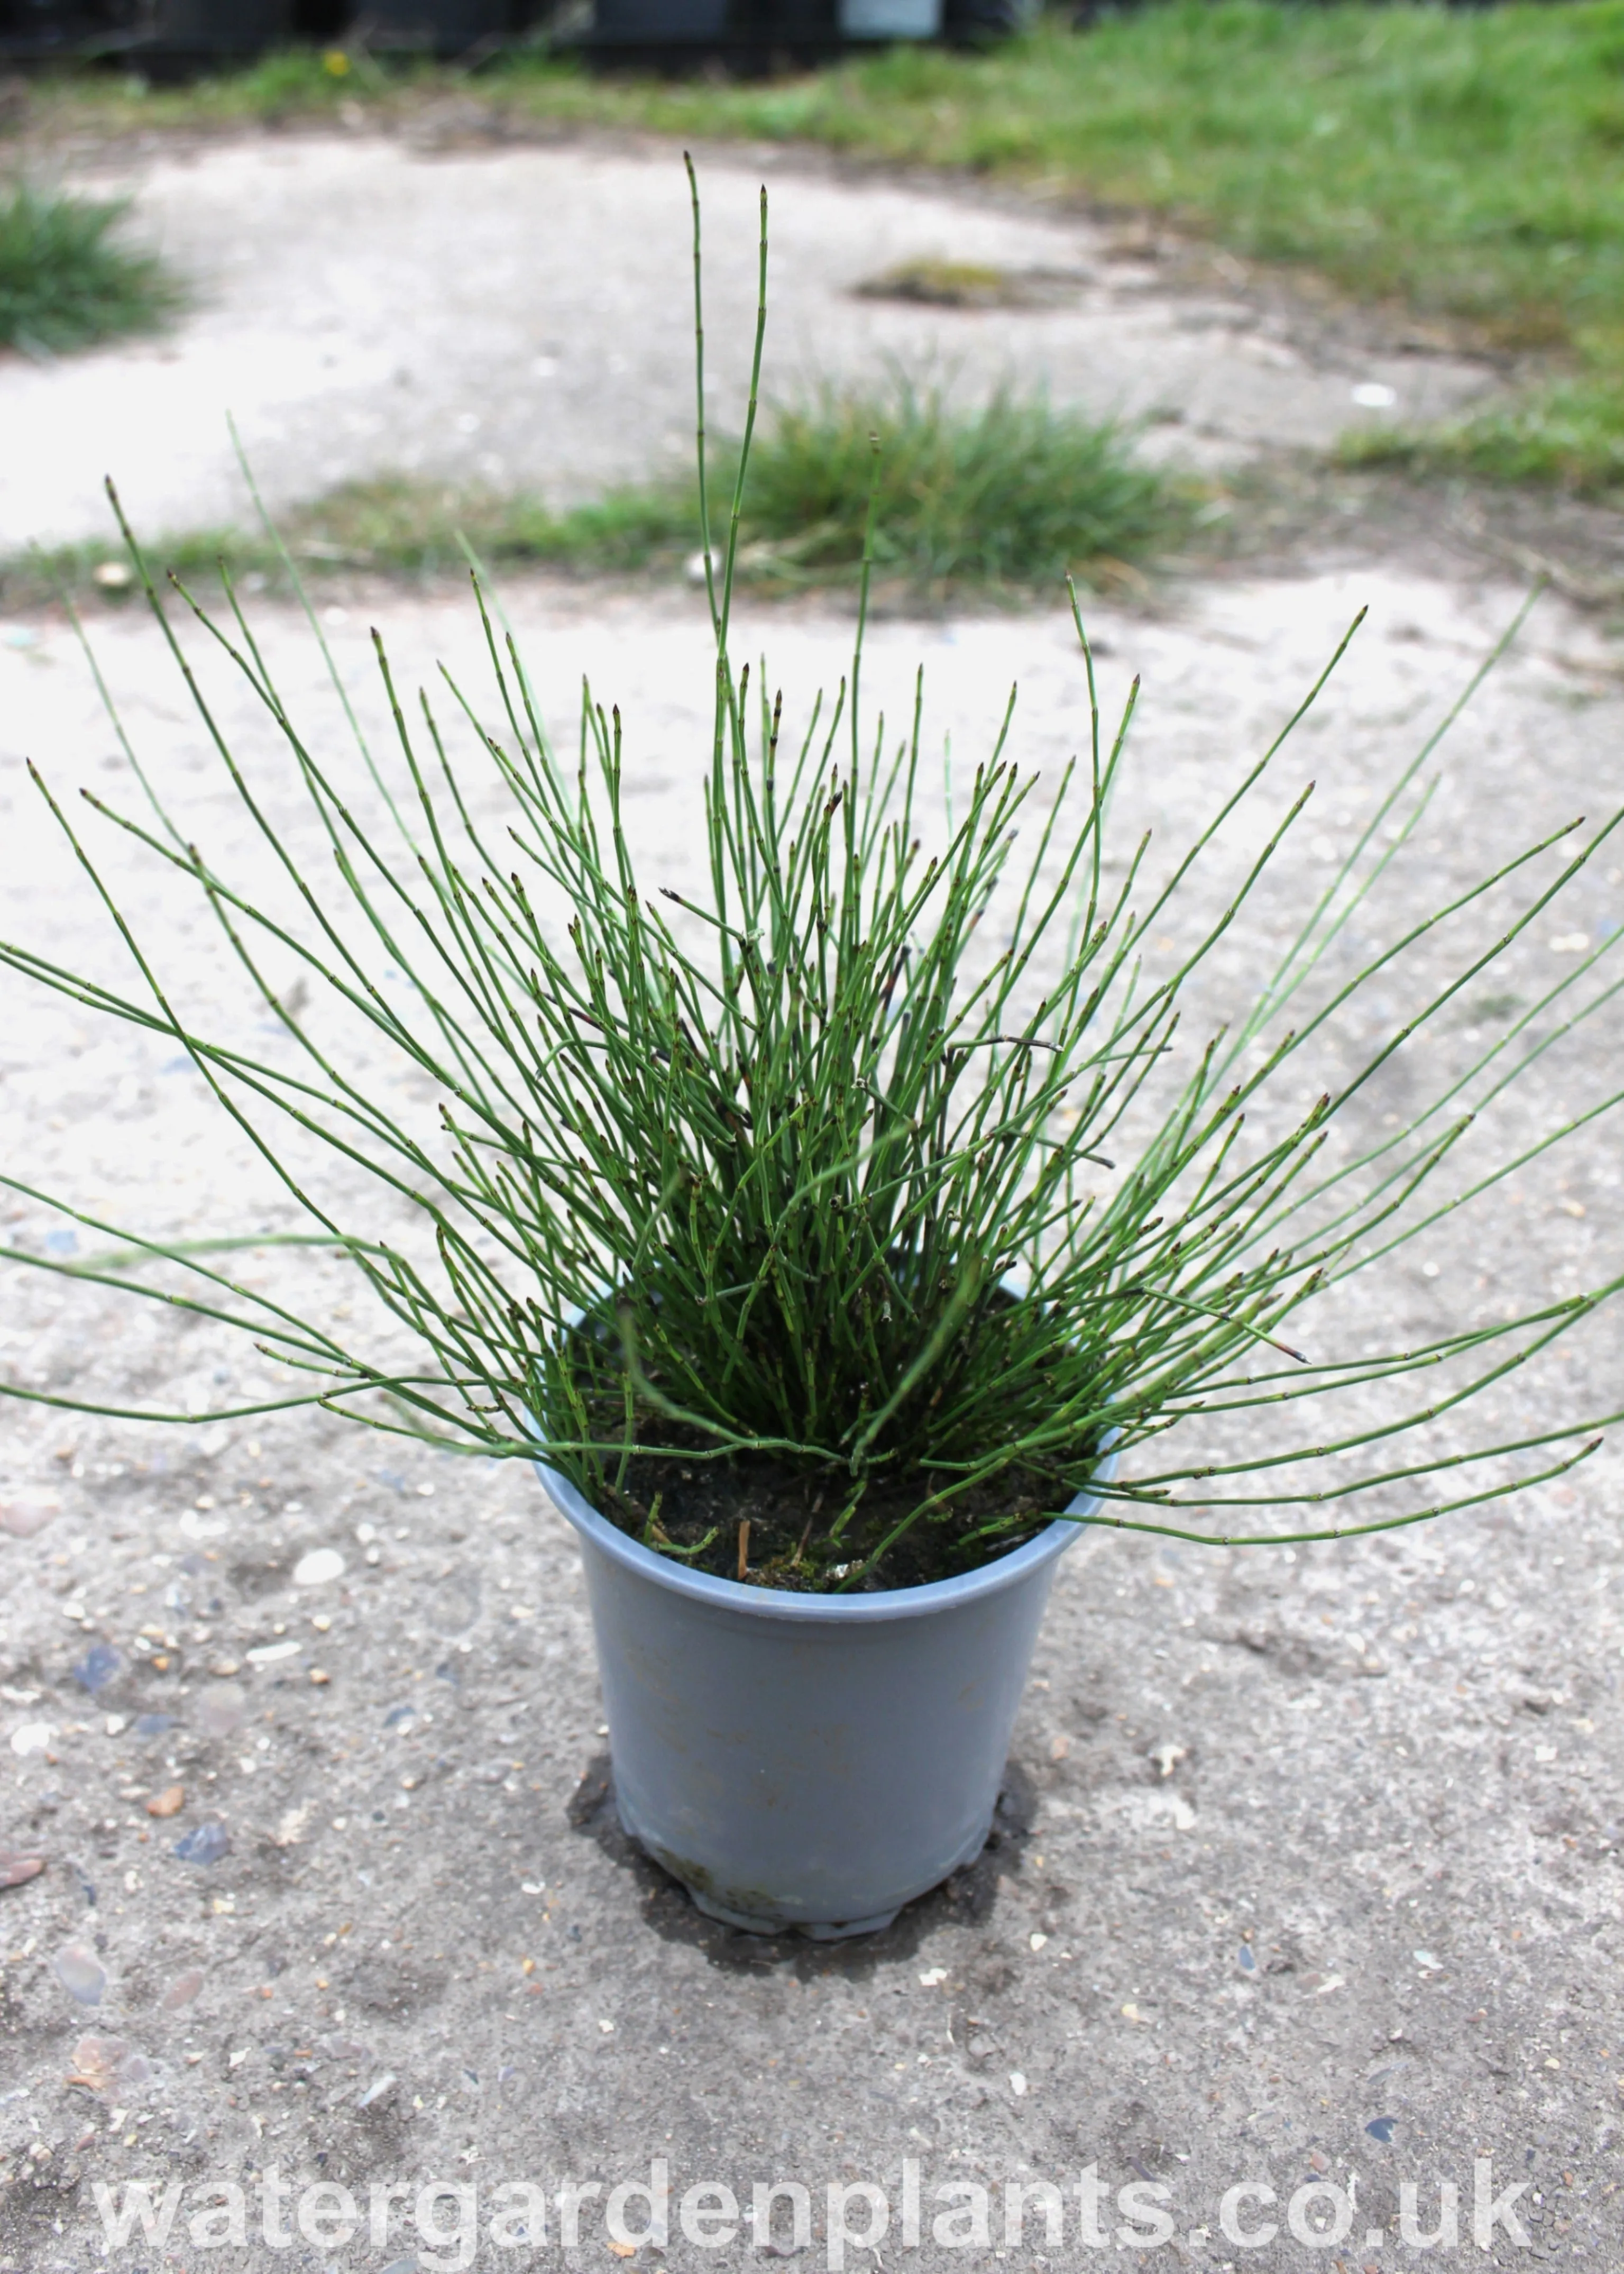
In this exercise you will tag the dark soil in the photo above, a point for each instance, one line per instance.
(702, 1506)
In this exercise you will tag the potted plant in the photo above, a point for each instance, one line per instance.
(843, 1231)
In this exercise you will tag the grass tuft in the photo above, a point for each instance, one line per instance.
(1568, 435)
(1002, 497)
(389, 526)
(416, 528)
(1011, 492)
(67, 282)
(947, 284)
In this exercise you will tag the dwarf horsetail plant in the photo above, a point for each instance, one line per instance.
(886, 1175)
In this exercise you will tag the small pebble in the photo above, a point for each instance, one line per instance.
(104, 2063)
(97, 1667)
(154, 1725)
(205, 1843)
(182, 1989)
(319, 1568)
(95, 2062)
(31, 1737)
(80, 1973)
(16, 1868)
(1380, 2127)
(320, 1676)
(375, 2091)
(169, 1802)
(22, 1518)
(1018, 2083)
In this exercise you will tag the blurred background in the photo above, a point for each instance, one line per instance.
(178, 36)
(1123, 292)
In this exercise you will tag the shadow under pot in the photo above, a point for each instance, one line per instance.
(809, 1761)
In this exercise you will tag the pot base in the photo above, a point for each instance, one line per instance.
(832, 1931)
(705, 1899)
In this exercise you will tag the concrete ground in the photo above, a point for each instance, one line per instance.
(1306, 1879)
(524, 317)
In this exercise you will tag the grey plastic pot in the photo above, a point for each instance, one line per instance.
(809, 1761)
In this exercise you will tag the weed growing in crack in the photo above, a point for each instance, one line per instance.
(67, 279)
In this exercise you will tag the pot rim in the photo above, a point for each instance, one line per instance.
(827, 1610)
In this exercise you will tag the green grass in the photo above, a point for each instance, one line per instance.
(1468, 163)
(393, 526)
(1012, 493)
(417, 528)
(67, 281)
(1471, 163)
(1569, 432)
(999, 496)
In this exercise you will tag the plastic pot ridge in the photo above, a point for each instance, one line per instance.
(809, 1761)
